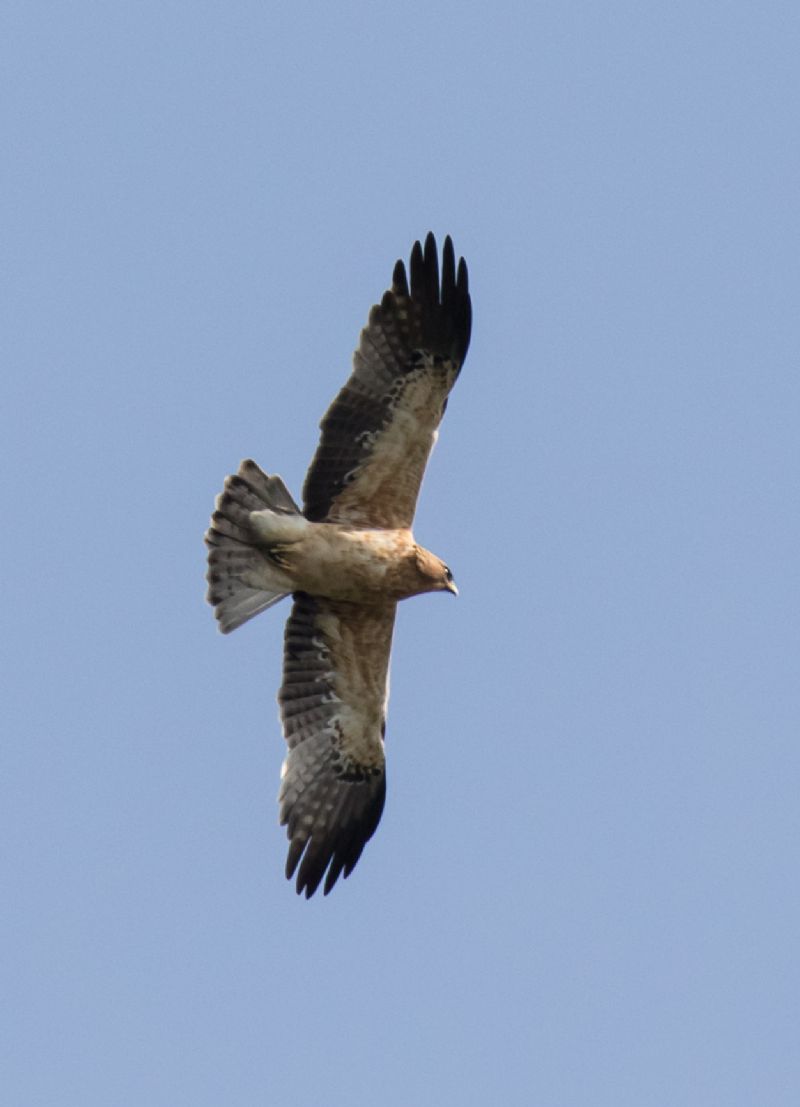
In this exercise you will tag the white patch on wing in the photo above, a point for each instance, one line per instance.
(358, 731)
(383, 487)
(358, 685)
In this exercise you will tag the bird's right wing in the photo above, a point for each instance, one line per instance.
(380, 429)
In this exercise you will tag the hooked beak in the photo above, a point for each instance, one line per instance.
(451, 587)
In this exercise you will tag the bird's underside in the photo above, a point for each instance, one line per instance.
(347, 558)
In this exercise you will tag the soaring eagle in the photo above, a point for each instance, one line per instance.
(347, 558)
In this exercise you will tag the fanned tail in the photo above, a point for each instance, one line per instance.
(242, 580)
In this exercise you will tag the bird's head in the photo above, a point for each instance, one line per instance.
(436, 576)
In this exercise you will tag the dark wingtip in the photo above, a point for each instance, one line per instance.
(296, 847)
(399, 280)
(416, 269)
(462, 280)
(446, 306)
(430, 286)
(448, 271)
(332, 856)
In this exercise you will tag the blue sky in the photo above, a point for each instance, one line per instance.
(584, 889)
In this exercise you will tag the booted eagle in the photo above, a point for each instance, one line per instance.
(346, 559)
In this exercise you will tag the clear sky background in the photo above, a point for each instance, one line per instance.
(584, 890)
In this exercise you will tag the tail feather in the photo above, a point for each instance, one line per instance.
(242, 580)
(238, 607)
(271, 490)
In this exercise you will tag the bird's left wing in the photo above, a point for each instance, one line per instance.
(333, 708)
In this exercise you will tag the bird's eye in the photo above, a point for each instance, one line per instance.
(448, 576)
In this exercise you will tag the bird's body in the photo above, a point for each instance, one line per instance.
(347, 559)
(351, 564)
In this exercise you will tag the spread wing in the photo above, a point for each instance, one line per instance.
(379, 431)
(333, 708)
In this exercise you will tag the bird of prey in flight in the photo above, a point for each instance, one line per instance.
(347, 557)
